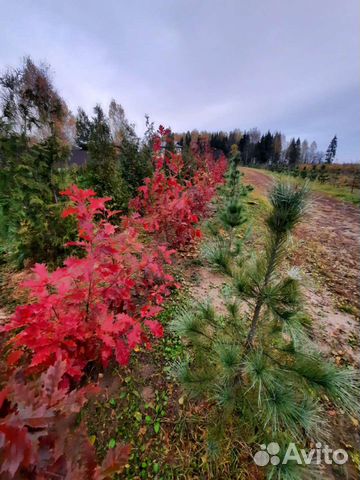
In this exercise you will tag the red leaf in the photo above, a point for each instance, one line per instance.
(14, 357)
(149, 311)
(69, 211)
(134, 336)
(16, 449)
(155, 327)
(3, 395)
(114, 462)
(122, 352)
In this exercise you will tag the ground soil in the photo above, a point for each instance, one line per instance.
(330, 235)
(328, 251)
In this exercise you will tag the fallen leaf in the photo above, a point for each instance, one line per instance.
(138, 416)
(354, 421)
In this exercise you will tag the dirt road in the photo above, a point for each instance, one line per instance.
(330, 237)
(327, 250)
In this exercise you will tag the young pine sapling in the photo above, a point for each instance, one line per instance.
(256, 365)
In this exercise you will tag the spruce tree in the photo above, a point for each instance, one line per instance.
(293, 153)
(104, 168)
(83, 129)
(331, 151)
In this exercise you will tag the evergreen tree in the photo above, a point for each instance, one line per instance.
(135, 163)
(277, 148)
(31, 227)
(293, 153)
(188, 139)
(298, 150)
(83, 129)
(226, 246)
(104, 168)
(313, 175)
(146, 147)
(245, 148)
(257, 367)
(323, 176)
(219, 141)
(269, 147)
(235, 155)
(331, 151)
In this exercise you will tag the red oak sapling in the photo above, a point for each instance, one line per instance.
(39, 436)
(169, 206)
(94, 308)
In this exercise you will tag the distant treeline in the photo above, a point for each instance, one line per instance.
(269, 149)
(39, 136)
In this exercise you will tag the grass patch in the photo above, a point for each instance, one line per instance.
(339, 192)
(348, 308)
(139, 406)
(258, 207)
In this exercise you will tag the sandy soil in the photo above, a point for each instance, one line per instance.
(328, 253)
(331, 238)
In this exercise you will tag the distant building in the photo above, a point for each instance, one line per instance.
(178, 147)
(78, 157)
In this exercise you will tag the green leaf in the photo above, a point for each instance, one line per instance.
(138, 416)
(156, 468)
(157, 427)
(112, 443)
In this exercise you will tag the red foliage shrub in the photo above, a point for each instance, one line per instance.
(96, 307)
(169, 206)
(39, 438)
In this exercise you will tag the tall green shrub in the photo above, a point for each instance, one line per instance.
(31, 227)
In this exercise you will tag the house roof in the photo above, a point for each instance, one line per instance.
(78, 157)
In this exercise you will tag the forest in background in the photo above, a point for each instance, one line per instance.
(109, 364)
(40, 141)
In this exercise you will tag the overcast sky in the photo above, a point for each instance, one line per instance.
(289, 65)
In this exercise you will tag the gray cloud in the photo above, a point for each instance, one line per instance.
(276, 64)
